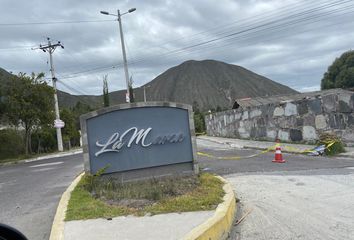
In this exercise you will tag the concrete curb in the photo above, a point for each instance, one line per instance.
(57, 232)
(219, 225)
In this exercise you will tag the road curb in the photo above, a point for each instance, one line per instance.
(57, 232)
(45, 157)
(219, 225)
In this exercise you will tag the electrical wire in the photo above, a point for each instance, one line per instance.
(54, 22)
(230, 36)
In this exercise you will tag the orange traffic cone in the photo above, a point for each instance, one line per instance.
(278, 156)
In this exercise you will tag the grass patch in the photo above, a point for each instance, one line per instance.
(96, 197)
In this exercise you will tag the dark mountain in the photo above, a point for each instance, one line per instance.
(211, 83)
(208, 83)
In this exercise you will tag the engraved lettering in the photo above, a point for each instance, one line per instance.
(116, 142)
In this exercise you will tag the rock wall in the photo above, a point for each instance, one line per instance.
(300, 120)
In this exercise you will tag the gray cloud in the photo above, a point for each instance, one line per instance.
(294, 50)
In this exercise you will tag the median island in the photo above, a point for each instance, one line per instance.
(101, 197)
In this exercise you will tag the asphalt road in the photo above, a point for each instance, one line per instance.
(30, 193)
(262, 163)
(305, 198)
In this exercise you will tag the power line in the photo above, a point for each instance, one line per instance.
(263, 17)
(53, 22)
(233, 34)
(263, 26)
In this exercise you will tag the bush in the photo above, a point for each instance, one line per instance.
(11, 144)
(334, 145)
(44, 140)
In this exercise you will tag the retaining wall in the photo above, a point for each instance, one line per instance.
(300, 120)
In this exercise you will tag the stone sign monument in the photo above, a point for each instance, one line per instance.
(140, 140)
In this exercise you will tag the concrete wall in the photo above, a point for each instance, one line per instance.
(291, 121)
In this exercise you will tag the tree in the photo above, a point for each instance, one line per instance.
(341, 73)
(105, 92)
(199, 122)
(79, 109)
(70, 131)
(29, 102)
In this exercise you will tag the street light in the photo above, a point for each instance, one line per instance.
(123, 47)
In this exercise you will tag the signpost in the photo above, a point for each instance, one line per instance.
(59, 123)
(140, 140)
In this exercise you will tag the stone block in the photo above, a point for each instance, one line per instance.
(288, 122)
(302, 107)
(344, 107)
(320, 122)
(315, 106)
(350, 120)
(309, 133)
(271, 134)
(258, 132)
(238, 116)
(261, 122)
(243, 132)
(245, 115)
(255, 113)
(290, 109)
(299, 122)
(278, 111)
(329, 103)
(295, 135)
(283, 135)
(225, 122)
(348, 137)
(344, 97)
(309, 119)
(336, 121)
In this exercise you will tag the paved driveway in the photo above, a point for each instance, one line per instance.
(305, 198)
(315, 204)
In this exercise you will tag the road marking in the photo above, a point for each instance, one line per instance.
(43, 169)
(46, 164)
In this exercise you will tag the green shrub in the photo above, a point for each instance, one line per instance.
(44, 140)
(334, 144)
(11, 144)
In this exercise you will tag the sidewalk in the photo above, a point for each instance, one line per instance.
(262, 145)
(163, 226)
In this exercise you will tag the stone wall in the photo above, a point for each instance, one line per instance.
(299, 120)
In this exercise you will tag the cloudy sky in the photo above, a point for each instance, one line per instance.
(289, 41)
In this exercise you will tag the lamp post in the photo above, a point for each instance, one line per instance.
(119, 15)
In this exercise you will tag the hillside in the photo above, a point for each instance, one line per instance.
(210, 83)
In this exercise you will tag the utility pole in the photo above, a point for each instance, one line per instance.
(145, 91)
(50, 48)
(124, 55)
